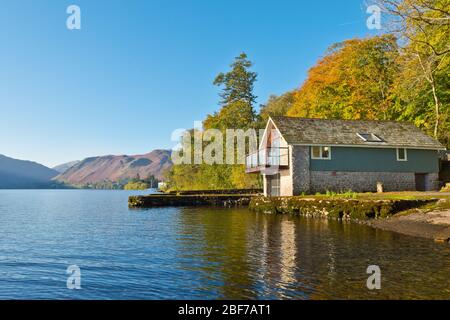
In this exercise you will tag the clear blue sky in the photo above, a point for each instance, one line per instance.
(137, 70)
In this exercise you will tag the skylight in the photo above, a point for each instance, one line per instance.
(370, 137)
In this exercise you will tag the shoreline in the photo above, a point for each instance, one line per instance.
(434, 225)
(428, 215)
(424, 215)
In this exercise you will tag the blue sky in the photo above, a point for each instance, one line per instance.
(137, 70)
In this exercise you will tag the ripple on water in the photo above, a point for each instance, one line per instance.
(200, 253)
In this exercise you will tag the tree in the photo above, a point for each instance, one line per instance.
(237, 83)
(237, 112)
(277, 105)
(352, 81)
(237, 98)
(424, 28)
(236, 115)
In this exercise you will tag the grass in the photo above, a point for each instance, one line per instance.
(333, 195)
(409, 195)
(433, 206)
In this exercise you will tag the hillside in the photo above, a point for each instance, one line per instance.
(65, 166)
(21, 174)
(117, 168)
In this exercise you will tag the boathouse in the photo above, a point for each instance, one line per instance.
(298, 155)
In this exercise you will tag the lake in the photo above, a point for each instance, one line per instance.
(200, 253)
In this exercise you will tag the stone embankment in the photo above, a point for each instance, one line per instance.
(426, 218)
(171, 200)
(357, 209)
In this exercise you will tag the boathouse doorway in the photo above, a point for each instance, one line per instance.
(421, 182)
(273, 185)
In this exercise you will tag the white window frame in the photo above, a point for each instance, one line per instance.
(406, 155)
(321, 153)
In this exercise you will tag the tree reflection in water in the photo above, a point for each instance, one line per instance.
(238, 254)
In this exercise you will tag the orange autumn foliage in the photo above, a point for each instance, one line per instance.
(353, 81)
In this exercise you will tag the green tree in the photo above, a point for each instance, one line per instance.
(136, 186)
(237, 97)
(237, 83)
(237, 112)
(277, 106)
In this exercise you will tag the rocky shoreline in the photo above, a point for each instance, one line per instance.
(433, 225)
(336, 208)
(419, 217)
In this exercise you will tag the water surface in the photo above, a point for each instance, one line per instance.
(200, 253)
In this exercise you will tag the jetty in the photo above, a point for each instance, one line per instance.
(194, 198)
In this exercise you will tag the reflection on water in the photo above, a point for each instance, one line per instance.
(201, 253)
(257, 256)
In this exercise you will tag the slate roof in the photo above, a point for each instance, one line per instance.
(344, 132)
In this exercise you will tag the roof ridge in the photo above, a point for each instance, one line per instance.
(349, 120)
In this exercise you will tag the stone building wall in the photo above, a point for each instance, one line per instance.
(433, 181)
(300, 179)
(322, 181)
(300, 162)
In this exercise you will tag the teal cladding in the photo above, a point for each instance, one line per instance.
(377, 160)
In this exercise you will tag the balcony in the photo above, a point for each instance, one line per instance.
(267, 158)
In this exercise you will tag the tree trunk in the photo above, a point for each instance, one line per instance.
(436, 108)
(429, 76)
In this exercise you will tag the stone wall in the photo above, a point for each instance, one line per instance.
(168, 200)
(322, 181)
(433, 181)
(338, 208)
(300, 161)
(300, 179)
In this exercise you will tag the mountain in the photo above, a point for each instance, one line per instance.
(117, 168)
(65, 166)
(20, 174)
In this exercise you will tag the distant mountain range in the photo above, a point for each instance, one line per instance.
(20, 174)
(117, 168)
(65, 166)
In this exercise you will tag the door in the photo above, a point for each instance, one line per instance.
(421, 181)
(273, 185)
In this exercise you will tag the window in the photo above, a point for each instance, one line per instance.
(402, 154)
(369, 137)
(321, 153)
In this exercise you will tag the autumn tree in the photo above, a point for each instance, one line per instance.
(352, 81)
(423, 26)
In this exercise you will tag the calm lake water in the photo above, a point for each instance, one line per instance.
(201, 253)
